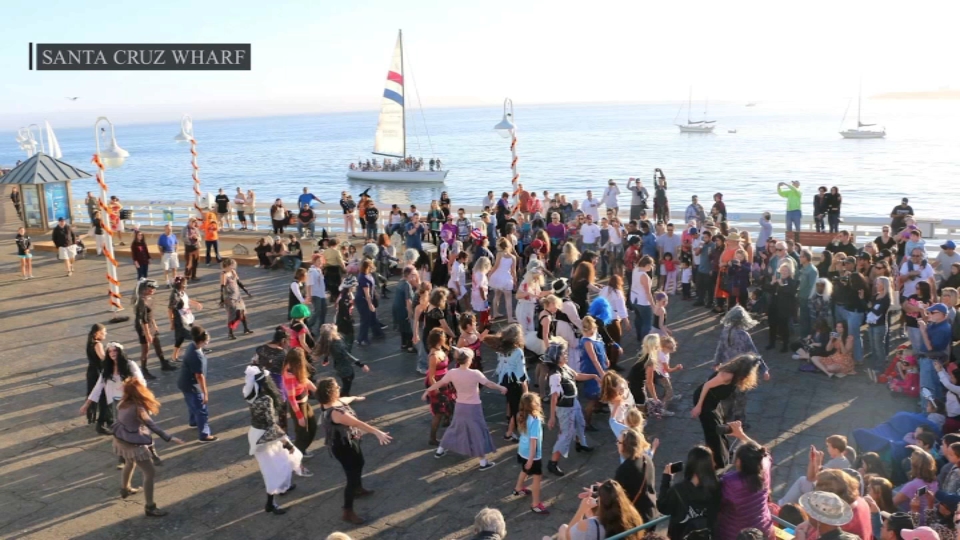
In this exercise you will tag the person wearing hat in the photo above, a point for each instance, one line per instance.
(146, 327)
(826, 513)
(898, 215)
(564, 320)
(791, 192)
(946, 258)
(938, 516)
(564, 406)
(694, 212)
(936, 335)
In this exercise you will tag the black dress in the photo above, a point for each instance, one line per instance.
(100, 412)
(711, 417)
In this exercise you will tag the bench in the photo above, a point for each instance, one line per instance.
(815, 239)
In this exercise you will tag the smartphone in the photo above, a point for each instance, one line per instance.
(834, 335)
(724, 429)
(594, 491)
(922, 491)
(676, 467)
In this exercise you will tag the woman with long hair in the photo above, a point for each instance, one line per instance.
(594, 362)
(530, 450)
(821, 301)
(332, 344)
(692, 503)
(230, 299)
(636, 473)
(140, 254)
(181, 309)
(620, 322)
(641, 296)
(117, 368)
(96, 354)
(604, 511)
(564, 405)
(441, 401)
(839, 362)
(342, 432)
(879, 306)
(643, 374)
(528, 294)
(832, 202)
(468, 434)
(512, 372)
(740, 373)
(503, 276)
(480, 292)
(745, 489)
(922, 474)
(881, 491)
(615, 393)
(583, 282)
(191, 248)
(735, 340)
(278, 459)
(569, 255)
(435, 219)
(297, 384)
(132, 440)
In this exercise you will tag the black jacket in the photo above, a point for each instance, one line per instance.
(63, 236)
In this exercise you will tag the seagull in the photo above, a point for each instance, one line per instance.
(73, 98)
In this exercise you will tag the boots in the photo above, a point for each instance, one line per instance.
(166, 365)
(554, 468)
(351, 517)
(151, 510)
(272, 507)
(363, 492)
(147, 375)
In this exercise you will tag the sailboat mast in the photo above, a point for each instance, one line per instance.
(689, 103)
(859, 97)
(403, 86)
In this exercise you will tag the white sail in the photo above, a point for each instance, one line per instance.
(53, 146)
(390, 137)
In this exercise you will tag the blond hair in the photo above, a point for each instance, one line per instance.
(650, 349)
(589, 325)
(634, 419)
(529, 406)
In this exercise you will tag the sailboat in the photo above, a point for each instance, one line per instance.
(858, 132)
(699, 126)
(391, 137)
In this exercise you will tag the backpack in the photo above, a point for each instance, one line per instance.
(696, 526)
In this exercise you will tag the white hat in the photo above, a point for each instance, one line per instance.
(827, 508)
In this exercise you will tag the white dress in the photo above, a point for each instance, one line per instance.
(526, 308)
(501, 279)
(479, 284)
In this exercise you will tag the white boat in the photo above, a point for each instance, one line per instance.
(391, 137)
(731, 131)
(699, 126)
(859, 132)
(752, 104)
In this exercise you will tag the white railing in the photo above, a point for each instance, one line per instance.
(330, 217)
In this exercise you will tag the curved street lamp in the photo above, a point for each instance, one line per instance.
(507, 128)
(186, 135)
(113, 156)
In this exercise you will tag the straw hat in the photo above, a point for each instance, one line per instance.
(826, 508)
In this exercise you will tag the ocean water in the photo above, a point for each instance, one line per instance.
(565, 148)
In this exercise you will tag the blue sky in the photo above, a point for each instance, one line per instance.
(327, 56)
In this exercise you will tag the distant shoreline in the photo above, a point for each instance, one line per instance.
(936, 94)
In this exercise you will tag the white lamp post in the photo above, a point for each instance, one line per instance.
(113, 156)
(186, 135)
(506, 128)
(26, 140)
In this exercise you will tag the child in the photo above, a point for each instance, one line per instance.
(686, 275)
(512, 373)
(643, 375)
(530, 449)
(634, 422)
(668, 274)
(757, 304)
(660, 301)
(331, 343)
(663, 369)
(479, 294)
(615, 392)
(471, 339)
(564, 404)
(344, 318)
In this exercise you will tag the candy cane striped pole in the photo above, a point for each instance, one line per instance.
(507, 128)
(186, 135)
(113, 283)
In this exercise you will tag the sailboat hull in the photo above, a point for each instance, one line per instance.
(862, 134)
(398, 176)
(695, 129)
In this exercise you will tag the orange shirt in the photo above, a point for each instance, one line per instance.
(210, 231)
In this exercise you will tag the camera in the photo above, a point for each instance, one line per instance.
(922, 491)
(594, 491)
(676, 467)
(724, 429)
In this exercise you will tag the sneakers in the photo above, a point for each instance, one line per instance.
(667, 413)
(539, 509)
(305, 472)
(522, 493)
(487, 465)
(439, 453)
(796, 356)
(307, 455)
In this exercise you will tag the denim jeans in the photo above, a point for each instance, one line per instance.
(793, 220)
(878, 346)
(854, 321)
(215, 246)
(142, 271)
(644, 320)
(312, 227)
(319, 314)
(423, 363)
(371, 230)
(929, 380)
(834, 221)
(915, 337)
(368, 323)
(818, 223)
(197, 413)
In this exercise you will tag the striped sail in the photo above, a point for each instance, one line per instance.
(389, 140)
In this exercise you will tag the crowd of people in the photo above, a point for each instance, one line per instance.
(549, 288)
(408, 163)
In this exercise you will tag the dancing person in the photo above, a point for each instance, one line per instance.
(528, 295)
(331, 343)
(404, 301)
(620, 321)
(735, 340)
(297, 385)
(132, 440)
(594, 362)
(108, 390)
(642, 376)
(367, 302)
(480, 292)
(471, 338)
(342, 432)
(641, 296)
(270, 356)
(512, 373)
(740, 373)
(230, 299)
(565, 408)
(278, 459)
(694, 502)
(146, 327)
(503, 276)
(192, 382)
(468, 434)
(442, 401)
(530, 450)
(96, 356)
(181, 308)
(191, 248)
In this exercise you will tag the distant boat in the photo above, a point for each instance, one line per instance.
(731, 131)
(752, 104)
(391, 137)
(858, 132)
(700, 126)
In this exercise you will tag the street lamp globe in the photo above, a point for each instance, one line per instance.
(505, 127)
(113, 156)
(186, 129)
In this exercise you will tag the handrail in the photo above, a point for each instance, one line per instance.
(656, 522)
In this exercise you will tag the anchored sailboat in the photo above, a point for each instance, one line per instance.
(858, 132)
(699, 126)
(391, 137)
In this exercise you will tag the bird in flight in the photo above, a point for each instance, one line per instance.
(73, 98)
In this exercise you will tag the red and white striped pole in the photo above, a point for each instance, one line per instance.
(186, 135)
(507, 128)
(113, 156)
